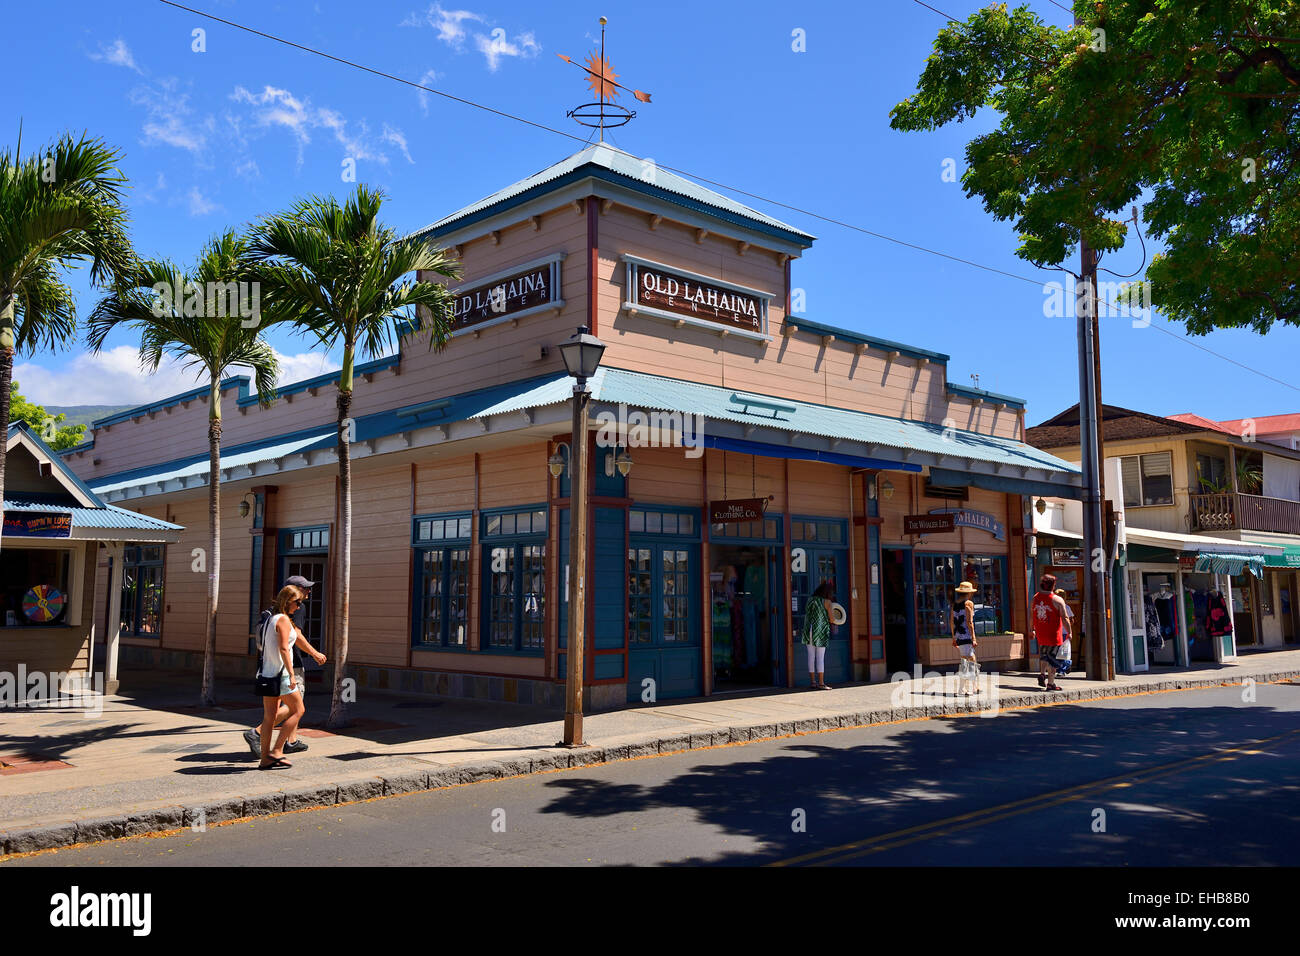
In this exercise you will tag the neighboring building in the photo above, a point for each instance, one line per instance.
(1196, 499)
(58, 536)
(461, 532)
(1283, 430)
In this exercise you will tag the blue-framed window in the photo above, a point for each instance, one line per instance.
(514, 580)
(935, 576)
(818, 547)
(768, 529)
(142, 590)
(305, 540)
(440, 616)
(661, 575)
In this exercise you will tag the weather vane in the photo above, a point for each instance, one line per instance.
(601, 78)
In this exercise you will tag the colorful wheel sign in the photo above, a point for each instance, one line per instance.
(43, 603)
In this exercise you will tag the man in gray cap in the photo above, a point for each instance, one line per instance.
(254, 737)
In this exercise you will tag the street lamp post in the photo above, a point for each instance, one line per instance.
(581, 356)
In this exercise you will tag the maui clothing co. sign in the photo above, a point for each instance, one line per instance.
(693, 299)
(511, 295)
(733, 510)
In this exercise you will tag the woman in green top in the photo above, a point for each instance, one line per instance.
(817, 633)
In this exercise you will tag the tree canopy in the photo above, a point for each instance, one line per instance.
(49, 427)
(1193, 104)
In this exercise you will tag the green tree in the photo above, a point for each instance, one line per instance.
(338, 269)
(50, 427)
(59, 208)
(1196, 102)
(207, 321)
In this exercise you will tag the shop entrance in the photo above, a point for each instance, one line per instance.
(313, 569)
(896, 590)
(1288, 607)
(1161, 619)
(748, 623)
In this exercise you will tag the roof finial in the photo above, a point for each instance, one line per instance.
(601, 78)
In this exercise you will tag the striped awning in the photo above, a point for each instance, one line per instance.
(1230, 563)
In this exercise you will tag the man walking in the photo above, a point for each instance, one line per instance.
(253, 737)
(1051, 616)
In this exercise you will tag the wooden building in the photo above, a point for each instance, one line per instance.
(709, 385)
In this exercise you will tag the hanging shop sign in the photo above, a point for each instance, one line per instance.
(686, 297)
(1187, 562)
(928, 524)
(736, 510)
(37, 524)
(521, 291)
(966, 518)
(1067, 557)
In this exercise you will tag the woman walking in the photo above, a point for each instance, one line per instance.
(817, 633)
(963, 638)
(277, 662)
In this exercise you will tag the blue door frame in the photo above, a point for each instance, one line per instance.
(821, 564)
(676, 666)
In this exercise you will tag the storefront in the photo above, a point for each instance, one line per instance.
(56, 535)
(743, 456)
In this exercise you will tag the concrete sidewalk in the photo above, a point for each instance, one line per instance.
(154, 761)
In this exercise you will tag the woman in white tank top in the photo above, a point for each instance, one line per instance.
(277, 659)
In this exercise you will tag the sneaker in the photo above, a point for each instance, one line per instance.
(296, 747)
(254, 741)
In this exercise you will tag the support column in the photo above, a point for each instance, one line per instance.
(112, 636)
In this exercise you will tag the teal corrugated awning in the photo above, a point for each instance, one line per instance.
(1230, 563)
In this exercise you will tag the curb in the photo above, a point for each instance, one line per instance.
(67, 833)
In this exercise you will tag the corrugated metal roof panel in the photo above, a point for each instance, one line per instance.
(107, 517)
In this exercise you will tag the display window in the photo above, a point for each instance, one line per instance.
(33, 586)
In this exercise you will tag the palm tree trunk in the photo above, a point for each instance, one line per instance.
(6, 375)
(207, 694)
(338, 716)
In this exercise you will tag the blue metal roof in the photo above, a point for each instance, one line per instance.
(615, 166)
(803, 324)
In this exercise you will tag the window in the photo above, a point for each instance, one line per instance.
(988, 574)
(935, 576)
(768, 529)
(665, 572)
(817, 532)
(441, 588)
(514, 580)
(1148, 479)
(142, 591)
(1211, 474)
(641, 521)
(307, 539)
(33, 586)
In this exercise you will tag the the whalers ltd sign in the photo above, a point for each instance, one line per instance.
(966, 518)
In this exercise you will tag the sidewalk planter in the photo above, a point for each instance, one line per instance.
(993, 648)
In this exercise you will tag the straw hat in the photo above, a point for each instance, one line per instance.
(966, 588)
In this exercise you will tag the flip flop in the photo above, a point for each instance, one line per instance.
(276, 764)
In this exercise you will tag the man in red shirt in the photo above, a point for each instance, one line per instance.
(1051, 617)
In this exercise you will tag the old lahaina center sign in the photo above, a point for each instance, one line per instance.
(503, 298)
(683, 295)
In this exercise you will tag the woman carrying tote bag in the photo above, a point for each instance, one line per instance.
(275, 678)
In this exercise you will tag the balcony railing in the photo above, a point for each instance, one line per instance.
(1229, 511)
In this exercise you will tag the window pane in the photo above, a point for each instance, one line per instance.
(769, 529)
(539, 522)
(493, 525)
(653, 521)
(636, 521)
(1157, 479)
(686, 524)
(1132, 484)
(670, 523)
(463, 531)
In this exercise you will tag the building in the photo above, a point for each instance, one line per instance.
(768, 452)
(1195, 500)
(58, 538)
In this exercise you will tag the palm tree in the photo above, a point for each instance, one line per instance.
(337, 270)
(58, 209)
(202, 319)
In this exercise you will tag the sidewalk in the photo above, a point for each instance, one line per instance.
(152, 760)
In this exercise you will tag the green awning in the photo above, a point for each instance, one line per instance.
(1230, 563)
(1289, 558)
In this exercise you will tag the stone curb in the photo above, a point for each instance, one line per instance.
(311, 796)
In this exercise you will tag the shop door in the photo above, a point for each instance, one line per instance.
(746, 604)
(899, 610)
(313, 569)
(664, 626)
(1288, 608)
(1137, 636)
(776, 615)
(807, 571)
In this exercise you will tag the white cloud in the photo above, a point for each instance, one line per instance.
(428, 77)
(397, 138)
(171, 120)
(248, 169)
(277, 107)
(119, 54)
(199, 204)
(493, 44)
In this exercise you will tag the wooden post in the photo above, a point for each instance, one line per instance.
(112, 637)
(576, 658)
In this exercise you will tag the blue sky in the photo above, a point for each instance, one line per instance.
(217, 137)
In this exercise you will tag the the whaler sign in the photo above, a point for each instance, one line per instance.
(524, 290)
(683, 295)
(966, 518)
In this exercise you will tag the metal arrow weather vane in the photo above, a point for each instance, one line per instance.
(603, 113)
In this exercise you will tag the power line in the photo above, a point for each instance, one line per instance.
(683, 172)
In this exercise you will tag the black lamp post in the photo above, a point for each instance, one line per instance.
(581, 355)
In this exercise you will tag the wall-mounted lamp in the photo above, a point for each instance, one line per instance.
(558, 463)
(887, 489)
(1033, 543)
(1041, 506)
(245, 506)
(622, 461)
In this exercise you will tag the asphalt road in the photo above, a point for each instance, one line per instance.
(1182, 778)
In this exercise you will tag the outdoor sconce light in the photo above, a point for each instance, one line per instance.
(887, 489)
(1033, 543)
(622, 461)
(1040, 506)
(557, 462)
(245, 506)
